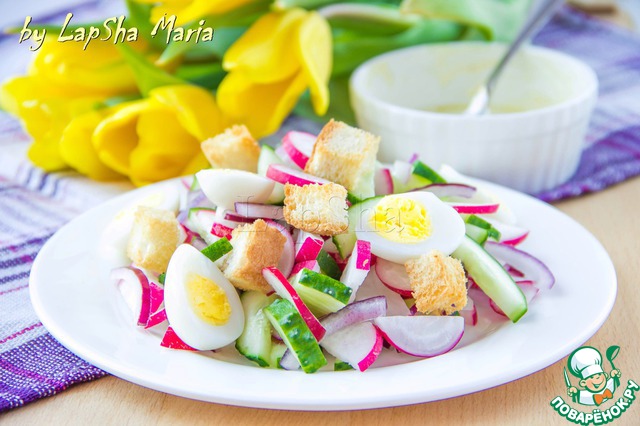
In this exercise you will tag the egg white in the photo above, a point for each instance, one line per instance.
(195, 332)
(225, 187)
(447, 230)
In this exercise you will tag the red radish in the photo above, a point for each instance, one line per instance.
(134, 288)
(298, 146)
(307, 246)
(530, 266)
(449, 190)
(309, 264)
(156, 318)
(475, 208)
(172, 341)
(221, 231)
(354, 313)
(279, 282)
(402, 171)
(156, 297)
(509, 234)
(469, 312)
(287, 259)
(329, 246)
(265, 211)
(284, 156)
(283, 174)
(422, 336)
(372, 286)
(528, 289)
(359, 345)
(394, 276)
(358, 266)
(383, 181)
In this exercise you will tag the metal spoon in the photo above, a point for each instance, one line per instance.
(480, 102)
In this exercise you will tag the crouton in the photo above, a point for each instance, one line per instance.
(154, 237)
(319, 209)
(345, 155)
(255, 246)
(233, 149)
(438, 283)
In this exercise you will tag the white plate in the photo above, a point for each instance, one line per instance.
(76, 303)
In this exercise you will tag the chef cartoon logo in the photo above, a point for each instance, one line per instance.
(595, 387)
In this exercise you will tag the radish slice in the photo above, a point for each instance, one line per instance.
(308, 264)
(469, 312)
(394, 276)
(475, 208)
(172, 341)
(308, 246)
(283, 174)
(134, 288)
(402, 171)
(531, 267)
(156, 297)
(298, 146)
(277, 280)
(422, 336)
(354, 313)
(221, 231)
(284, 155)
(528, 289)
(265, 211)
(359, 345)
(287, 259)
(509, 234)
(441, 190)
(156, 318)
(193, 199)
(372, 287)
(358, 266)
(383, 181)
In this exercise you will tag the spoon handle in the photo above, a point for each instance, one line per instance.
(543, 11)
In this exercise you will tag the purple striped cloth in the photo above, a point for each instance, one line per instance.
(33, 204)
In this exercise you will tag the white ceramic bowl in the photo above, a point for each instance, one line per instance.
(532, 150)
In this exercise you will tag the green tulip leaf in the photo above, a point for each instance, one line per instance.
(147, 75)
(368, 18)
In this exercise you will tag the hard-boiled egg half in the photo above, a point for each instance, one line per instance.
(202, 306)
(225, 187)
(404, 226)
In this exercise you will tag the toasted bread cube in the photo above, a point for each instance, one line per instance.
(233, 149)
(255, 246)
(438, 283)
(154, 237)
(319, 209)
(345, 155)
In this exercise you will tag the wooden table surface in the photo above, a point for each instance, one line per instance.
(611, 215)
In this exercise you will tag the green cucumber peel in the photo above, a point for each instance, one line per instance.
(424, 171)
(288, 323)
(322, 294)
(328, 265)
(492, 278)
(162, 277)
(476, 233)
(342, 366)
(218, 249)
(255, 341)
(277, 352)
(480, 222)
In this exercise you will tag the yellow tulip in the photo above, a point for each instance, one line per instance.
(159, 137)
(64, 82)
(280, 56)
(192, 10)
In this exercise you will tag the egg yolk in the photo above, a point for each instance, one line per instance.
(208, 300)
(401, 220)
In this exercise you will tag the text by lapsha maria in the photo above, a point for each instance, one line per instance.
(113, 30)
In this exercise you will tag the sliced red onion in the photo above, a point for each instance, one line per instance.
(353, 313)
(441, 190)
(530, 266)
(255, 211)
(289, 361)
(469, 312)
(239, 219)
(475, 208)
(414, 157)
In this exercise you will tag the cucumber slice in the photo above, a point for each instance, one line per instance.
(347, 241)
(328, 265)
(476, 233)
(322, 294)
(267, 157)
(491, 277)
(480, 222)
(342, 366)
(218, 249)
(255, 340)
(426, 172)
(295, 333)
(200, 220)
(277, 352)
